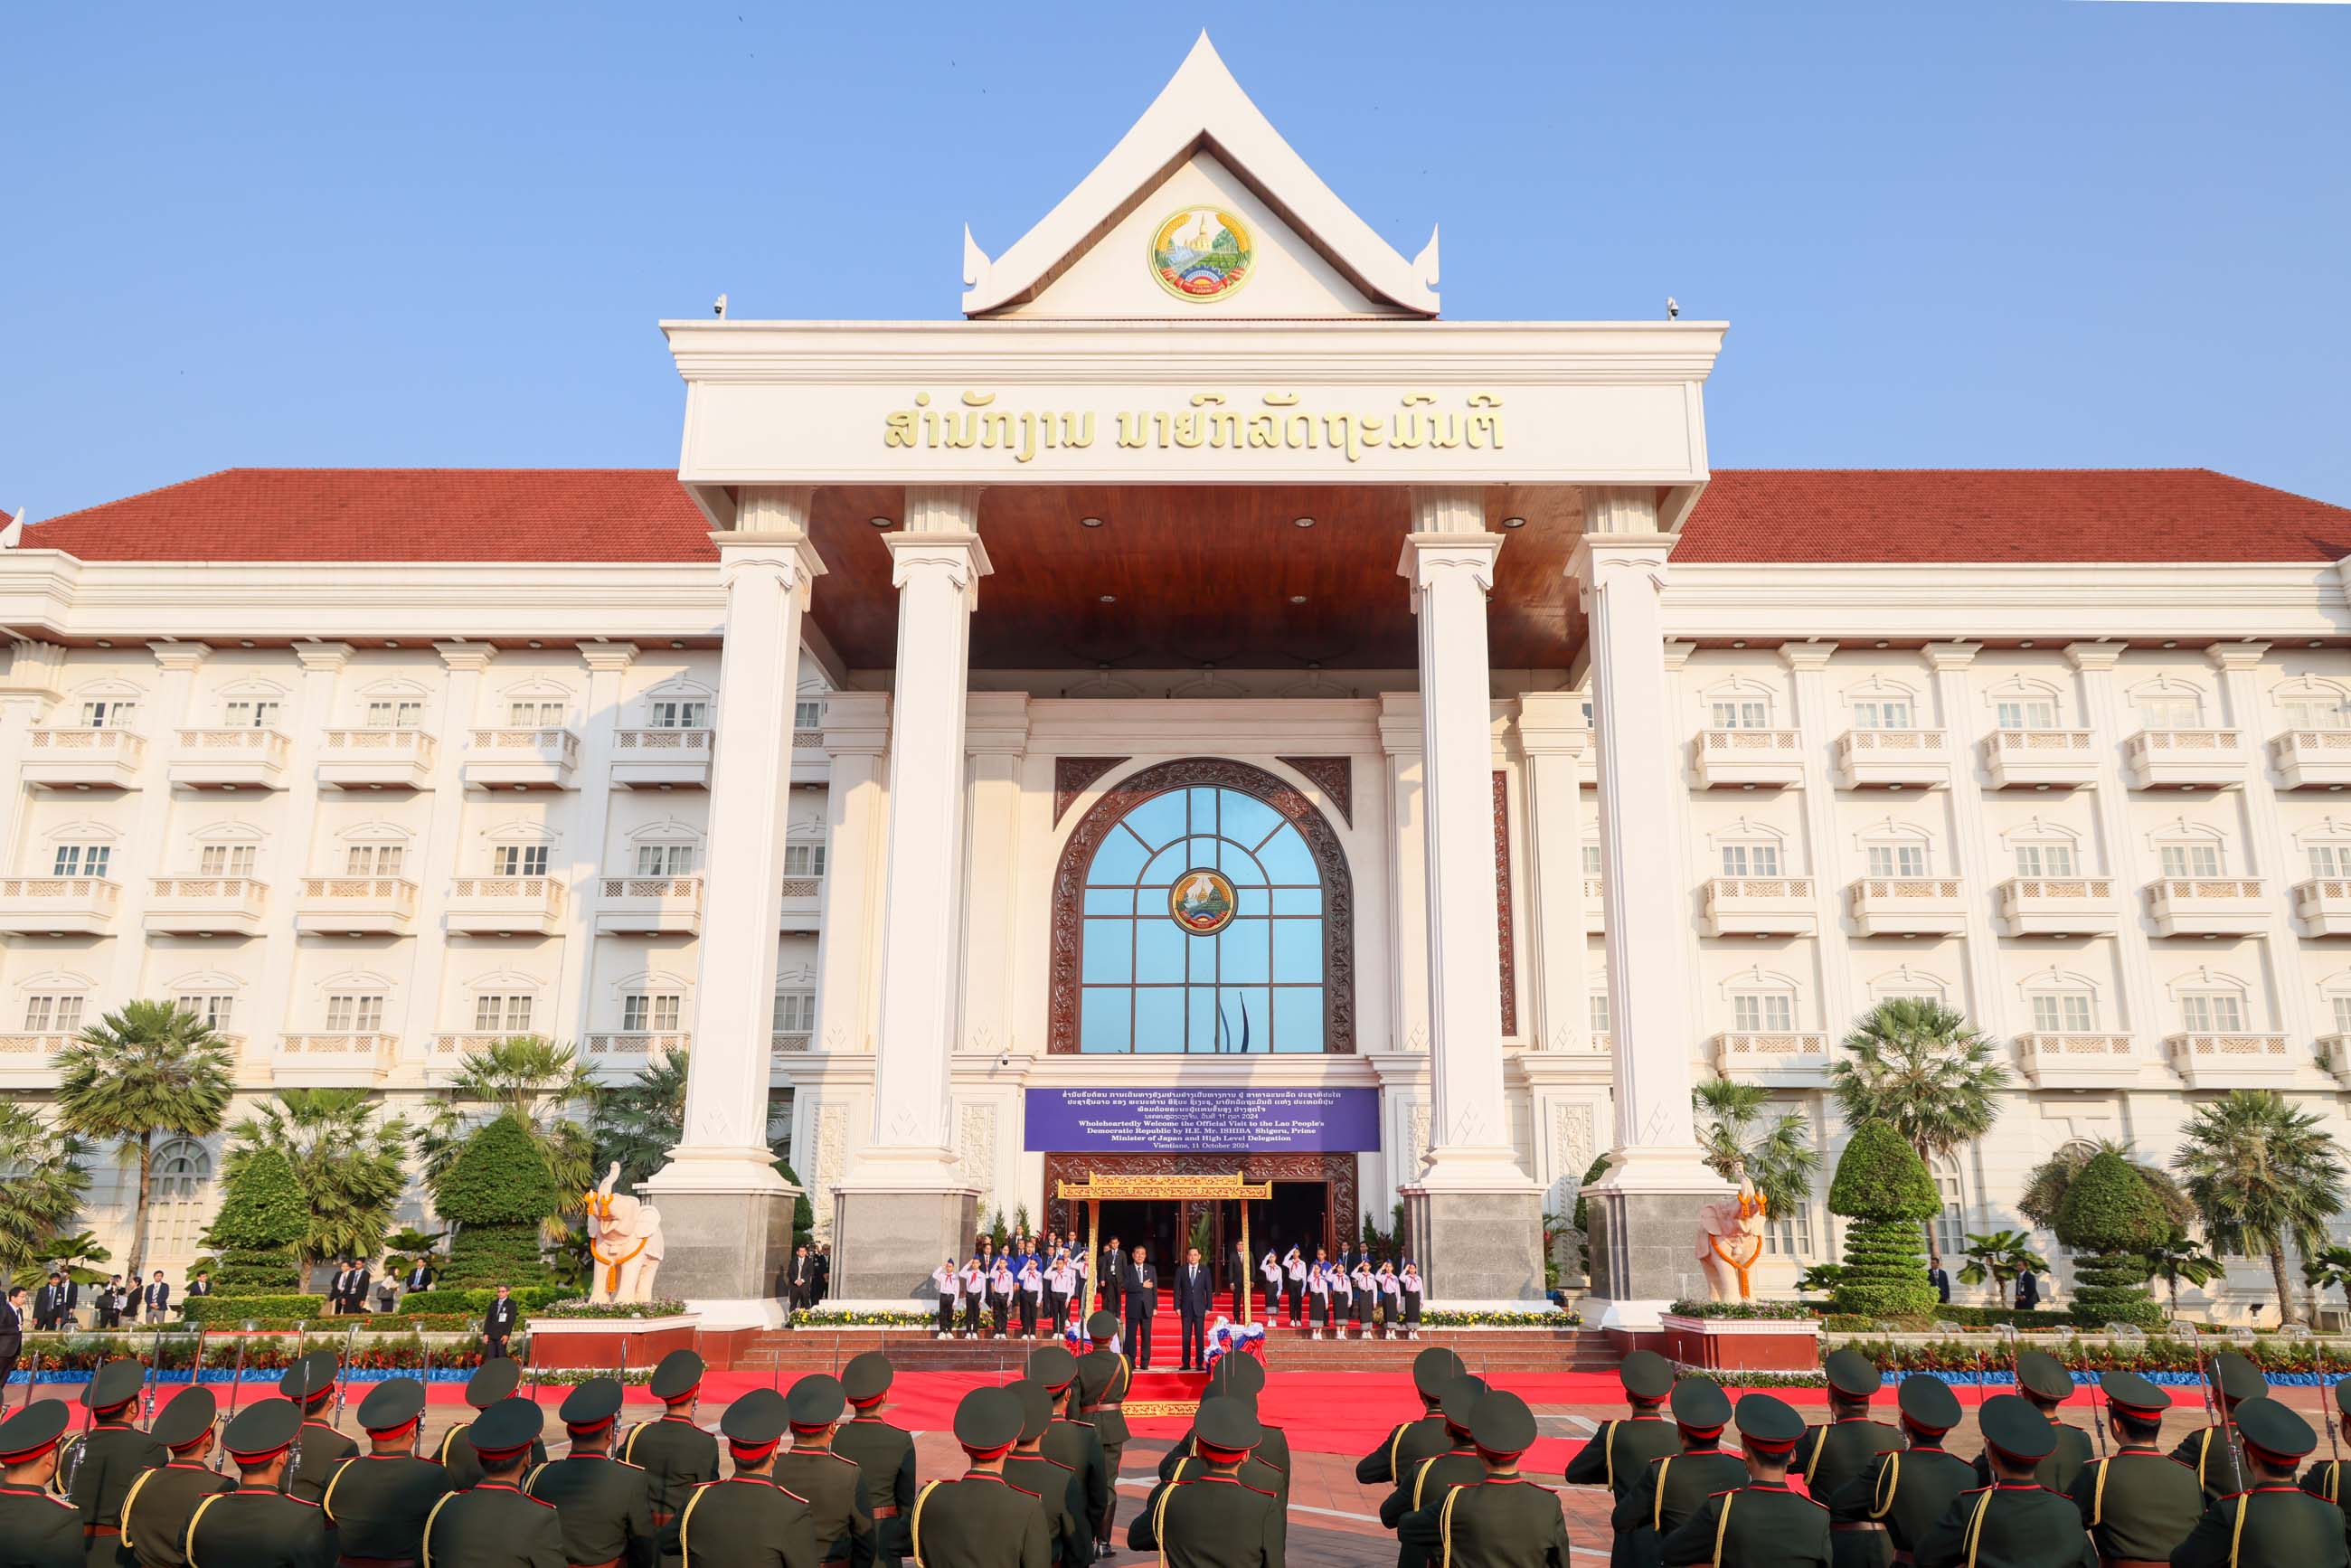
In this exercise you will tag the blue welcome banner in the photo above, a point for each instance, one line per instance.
(1202, 1120)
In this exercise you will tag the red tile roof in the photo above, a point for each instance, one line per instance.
(1970, 515)
(1764, 516)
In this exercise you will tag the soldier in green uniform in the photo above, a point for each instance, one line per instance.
(157, 1507)
(1762, 1524)
(1669, 1489)
(2325, 1477)
(1424, 1438)
(2046, 1385)
(606, 1505)
(2137, 1503)
(494, 1524)
(1501, 1520)
(318, 1448)
(1620, 1451)
(675, 1454)
(884, 1452)
(2015, 1522)
(1828, 1457)
(256, 1524)
(981, 1521)
(1073, 1441)
(376, 1501)
(2274, 1521)
(496, 1379)
(1215, 1520)
(1243, 1377)
(1905, 1492)
(2211, 1450)
(746, 1521)
(1433, 1478)
(831, 1485)
(1254, 1471)
(95, 1469)
(1104, 1374)
(37, 1529)
(1028, 1468)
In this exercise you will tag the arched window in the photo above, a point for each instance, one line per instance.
(1203, 906)
(2044, 850)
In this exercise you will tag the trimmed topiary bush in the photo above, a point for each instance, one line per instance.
(261, 1217)
(1885, 1188)
(2110, 1220)
(498, 1190)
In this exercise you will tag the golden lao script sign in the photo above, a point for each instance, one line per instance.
(1277, 422)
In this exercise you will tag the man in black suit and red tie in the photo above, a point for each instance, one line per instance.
(1194, 1291)
(1140, 1289)
(12, 1309)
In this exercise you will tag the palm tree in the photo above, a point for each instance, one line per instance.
(637, 1122)
(2179, 1258)
(152, 1071)
(76, 1254)
(1741, 1130)
(2000, 1258)
(2262, 1174)
(350, 1168)
(43, 1194)
(1923, 1069)
(535, 1081)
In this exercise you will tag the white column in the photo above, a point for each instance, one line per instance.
(600, 724)
(1553, 737)
(2137, 1003)
(290, 855)
(856, 729)
(1817, 733)
(2266, 849)
(1655, 1176)
(998, 740)
(1972, 851)
(725, 1211)
(145, 845)
(35, 679)
(1408, 889)
(436, 848)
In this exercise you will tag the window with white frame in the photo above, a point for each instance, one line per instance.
(534, 713)
(804, 860)
(795, 1013)
(355, 1012)
(518, 860)
(374, 860)
(2212, 1012)
(1762, 1012)
(2026, 713)
(109, 713)
(2048, 857)
(2062, 1012)
(1788, 1233)
(213, 1009)
(182, 1170)
(502, 1013)
(224, 860)
(2342, 1006)
(1741, 713)
(395, 712)
(81, 860)
(2314, 710)
(649, 1013)
(1591, 860)
(53, 1012)
(1761, 859)
(2330, 860)
(809, 713)
(1882, 712)
(1951, 1219)
(1599, 1010)
(2191, 857)
(1900, 857)
(667, 859)
(252, 713)
(678, 713)
(2169, 709)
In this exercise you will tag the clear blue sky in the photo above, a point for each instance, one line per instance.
(2045, 232)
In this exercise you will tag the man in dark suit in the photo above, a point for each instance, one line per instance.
(496, 1324)
(803, 1280)
(420, 1276)
(49, 1305)
(157, 1300)
(821, 1260)
(1140, 1290)
(200, 1283)
(12, 1335)
(1113, 1273)
(355, 1300)
(1193, 1290)
(1941, 1278)
(2028, 1291)
(111, 1301)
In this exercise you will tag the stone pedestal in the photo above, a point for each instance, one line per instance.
(726, 1243)
(1478, 1250)
(1644, 1246)
(893, 1238)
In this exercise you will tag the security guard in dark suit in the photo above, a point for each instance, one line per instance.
(2046, 1385)
(606, 1504)
(1831, 1457)
(95, 1469)
(1432, 1479)
(1762, 1524)
(2274, 1521)
(256, 1524)
(1904, 1493)
(376, 1501)
(1104, 1374)
(1071, 1442)
(746, 1521)
(37, 1529)
(2324, 1479)
(1433, 1370)
(495, 1523)
(675, 1454)
(496, 1379)
(320, 1448)
(1620, 1451)
(2015, 1522)
(1671, 1488)
(2137, 1503)
(885, 1453)
(981, 1521)
(156, 1509)
(1215, 1520)
(1242, 1376)
(833, 1485)
(1028, 1468)
(2211, 1450)
(1501, 1520)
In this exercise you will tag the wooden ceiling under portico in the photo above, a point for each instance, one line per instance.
(1198, 574)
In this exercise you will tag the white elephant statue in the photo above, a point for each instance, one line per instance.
(624, 1238)
(1730, 1239)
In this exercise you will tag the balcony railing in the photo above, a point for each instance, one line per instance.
(363, 1051)
(240, 757)
(661, 759)
(2227, 1061)
(80, 905)
(35, 1047)
(1749, 758)
(1893, 759)
(2058, 907)
(204, 904)
(2323, 906)
(1780, 1052)
(1909, 907)
(100, 758)
(2313, 758)
(540, 758)
(376, 757)
(502, 906)
(789, 1042)
(807, 741)
(635, 906)
(1760, 906)
(355, 904)
(2209, 906)
(2184, 758)
(639, 1042)
(2041, 759)
(1595, 904)
(803, 887)
(667, 742)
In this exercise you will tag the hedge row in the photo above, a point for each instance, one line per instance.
(453, 1299)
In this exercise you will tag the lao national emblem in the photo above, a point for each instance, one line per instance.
(1202, 901)
(1202, 254)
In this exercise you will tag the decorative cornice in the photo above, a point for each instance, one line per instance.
(1951, 655)
(2246, 655)
(1427, 554)
(1805, 657)
(465, 656)
(323, 658)
(607, 658)
(2094, 655)
(180, 657)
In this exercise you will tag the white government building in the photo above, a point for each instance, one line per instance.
(1546, 769)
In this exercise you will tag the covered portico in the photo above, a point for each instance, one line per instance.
(1118, 465)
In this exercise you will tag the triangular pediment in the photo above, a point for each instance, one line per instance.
(1201, 211)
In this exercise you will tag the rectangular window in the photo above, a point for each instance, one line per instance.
(1750, 860)
(114, 713)
(224, 860)
(506, 1014)
(2343, 1015)
(2170, 713)
(665, 860)
(252, 714)
(1789, 1234)
(2313, 713)
(795, 1013)
(668, 714)
(2330, 860)
(808, 714)
(1741, 715)
(82, 860)
(1600, 1013)
(519, 860)
(53, 1014)
(1882, 715)
(2192, 860)
(1898, 860)
(354, 1014)
(395, 712)
(803, 859)
(2027, 713)
(374, 860)
(1762, 1014)
(212, 1012)
(648, 1013)
(1591, 859)
(2220, 1012)
(535, 714)
(2061, 1013)
(2044, 860)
